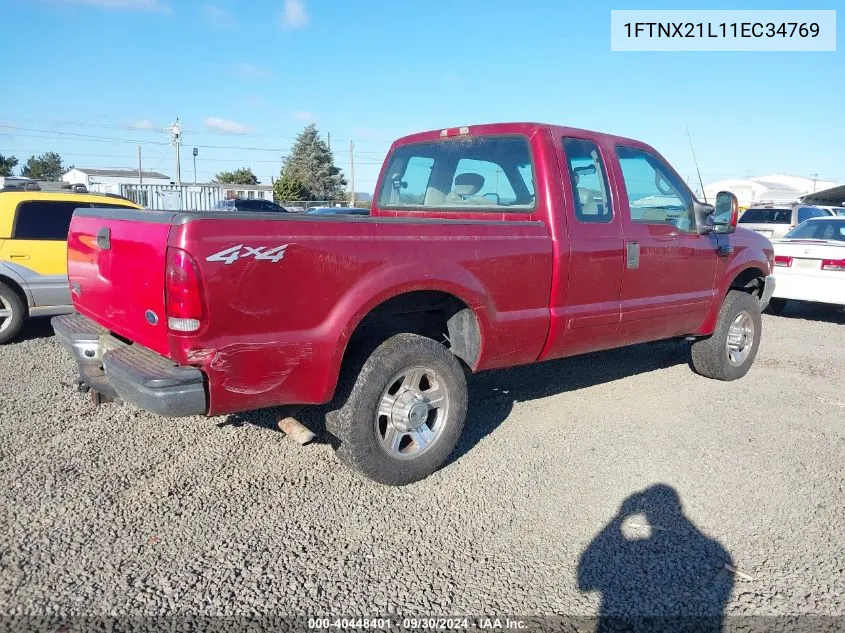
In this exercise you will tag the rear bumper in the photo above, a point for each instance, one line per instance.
(768, 291)
(132, 373)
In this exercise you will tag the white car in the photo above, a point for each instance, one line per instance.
(810, 264)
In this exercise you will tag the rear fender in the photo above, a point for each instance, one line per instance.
(391, 282)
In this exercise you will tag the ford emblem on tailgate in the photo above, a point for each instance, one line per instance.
(152, 317)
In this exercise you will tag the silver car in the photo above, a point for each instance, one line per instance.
(775, 222)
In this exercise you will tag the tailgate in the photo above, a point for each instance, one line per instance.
(116, 261)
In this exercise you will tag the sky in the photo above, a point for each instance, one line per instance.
(93, 79)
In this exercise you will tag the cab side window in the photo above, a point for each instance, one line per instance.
(654, 194)
(44, 219)
(589, 182)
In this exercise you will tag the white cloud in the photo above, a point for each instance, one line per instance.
(216, 16)
(293, 14)
(304, 116)
(142, 124)
(124, 5)
(248, 70)
(224, 125)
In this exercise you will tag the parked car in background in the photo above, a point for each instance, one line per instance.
(337, 211)
(249, 204)
(776, 221)
(586, 241)
(33, 249)
(810, 264)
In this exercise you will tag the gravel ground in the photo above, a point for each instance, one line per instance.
(617, 482)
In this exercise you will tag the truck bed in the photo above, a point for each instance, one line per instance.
(284, 296)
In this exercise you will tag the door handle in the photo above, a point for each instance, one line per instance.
(18, 256)
(632, 255)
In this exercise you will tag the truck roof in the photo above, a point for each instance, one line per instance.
(515, 127)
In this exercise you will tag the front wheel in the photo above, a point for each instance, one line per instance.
(729, 353)
(404, 413)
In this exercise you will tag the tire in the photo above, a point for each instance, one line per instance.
(12, 314)
(391, 427)
(776, 306)
(717, 357)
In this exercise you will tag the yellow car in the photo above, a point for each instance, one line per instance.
(33, 251)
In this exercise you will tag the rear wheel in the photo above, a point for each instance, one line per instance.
(11, 314)
(729, 353)
(776, 306)
(404, 413)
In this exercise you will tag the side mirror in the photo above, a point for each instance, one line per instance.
(726, 213)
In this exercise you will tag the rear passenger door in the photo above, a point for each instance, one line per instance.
(585, 307)
(670, 269)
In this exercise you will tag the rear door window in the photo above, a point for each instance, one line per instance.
(44, 219)
(589, 183)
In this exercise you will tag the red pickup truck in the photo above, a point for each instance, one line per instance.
(486, 247)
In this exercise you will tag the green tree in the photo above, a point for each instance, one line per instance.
(289, 188)
(48, 166)
(312, 163)
(7, 164)
(242, 176)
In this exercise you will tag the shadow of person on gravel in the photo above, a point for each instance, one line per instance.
(655, 570)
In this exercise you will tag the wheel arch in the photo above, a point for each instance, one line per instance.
(426, 309)
(748, 277)
(18, 288)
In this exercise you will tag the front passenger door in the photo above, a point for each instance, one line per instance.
(670, 269)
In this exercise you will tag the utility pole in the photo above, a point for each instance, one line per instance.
(176, 140)
(352, 172)
(815, 177)
(140, 171)
(329, 143)
(196, 151)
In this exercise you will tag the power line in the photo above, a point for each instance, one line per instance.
(156, 130)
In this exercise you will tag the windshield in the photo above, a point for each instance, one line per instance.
(766, 216)
(819, 230)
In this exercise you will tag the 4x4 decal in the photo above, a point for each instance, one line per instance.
(263, 253)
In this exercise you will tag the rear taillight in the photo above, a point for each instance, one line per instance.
(833, 264)
(182, 292)
(783, 260)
